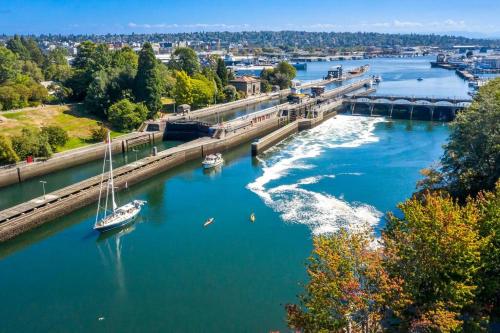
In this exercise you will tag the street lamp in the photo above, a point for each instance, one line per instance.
(43, 186)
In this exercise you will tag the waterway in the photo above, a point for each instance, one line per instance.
(167, 273)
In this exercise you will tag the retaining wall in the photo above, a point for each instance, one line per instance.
(17, 174)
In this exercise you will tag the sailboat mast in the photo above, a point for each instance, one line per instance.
(111, 181)
(100, 188)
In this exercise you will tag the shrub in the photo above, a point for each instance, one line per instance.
(7, 153)
(32, 142)
(125, 115)
(56, 135)
(98, 134)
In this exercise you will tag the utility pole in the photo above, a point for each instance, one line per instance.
(43, 186)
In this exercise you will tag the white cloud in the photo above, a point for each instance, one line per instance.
(166, 26)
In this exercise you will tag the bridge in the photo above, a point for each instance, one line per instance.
(423, 107)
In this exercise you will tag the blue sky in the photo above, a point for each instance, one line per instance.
(471, 17)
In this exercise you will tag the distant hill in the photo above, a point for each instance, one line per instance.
(287, 39)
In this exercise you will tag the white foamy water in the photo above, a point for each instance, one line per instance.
(322, 212)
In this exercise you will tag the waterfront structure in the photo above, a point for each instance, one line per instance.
(247, 84)
(490, 62)
(334, 73)
(406, 107)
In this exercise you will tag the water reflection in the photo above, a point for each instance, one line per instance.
(212, 172)
(109, 246)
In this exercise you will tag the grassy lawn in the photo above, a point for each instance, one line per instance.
(73, 118)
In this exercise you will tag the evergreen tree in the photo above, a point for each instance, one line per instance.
(222, 71)
(16, 45)
(148, 84)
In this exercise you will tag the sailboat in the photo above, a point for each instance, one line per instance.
(113, 216)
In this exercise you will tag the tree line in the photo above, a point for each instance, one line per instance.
(437, 265)
(120, 87)
(285, 39)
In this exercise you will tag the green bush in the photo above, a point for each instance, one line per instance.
(125, 115)
(7, 153)
(98, 134)
(32, 142)
(56, 135)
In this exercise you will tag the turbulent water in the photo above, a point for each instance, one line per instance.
(292, 197)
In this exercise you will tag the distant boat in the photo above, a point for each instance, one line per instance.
(212, 161)
(377, 78)
(420, 79)
(114, 216)
(252, 217)
(208, 222)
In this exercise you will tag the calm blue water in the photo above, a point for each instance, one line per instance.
(399, 76)
(167, 273)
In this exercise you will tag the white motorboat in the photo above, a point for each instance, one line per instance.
(213, 160)
(113, 216)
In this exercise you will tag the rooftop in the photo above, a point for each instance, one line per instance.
(247, 79)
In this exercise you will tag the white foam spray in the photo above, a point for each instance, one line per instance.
(322, 212)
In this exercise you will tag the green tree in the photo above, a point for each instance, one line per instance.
(183, 89)
(287, 70)
(31, 69)
(488, 276)
(8, 65)
(85, 56)
(16, 45)
(167, 77)
(56, 136)
(345, 287)
(230, 93)
(281, 76)
(148, 83)
(203, 91)
(56, 66)
(31, 142)
(471, 159)
(97, 99)
(185, 59)
(125, 115)
(222, 72)
(7, 153)
(432, 254)
(35, 54)
(127, 59)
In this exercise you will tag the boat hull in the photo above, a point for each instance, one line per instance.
(118, 224)
(212, 165)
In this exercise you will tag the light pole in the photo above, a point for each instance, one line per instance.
(43, 186)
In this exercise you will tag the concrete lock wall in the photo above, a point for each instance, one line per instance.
(86, 192)
(72, 158)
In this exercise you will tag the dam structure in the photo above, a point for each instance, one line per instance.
(406, 107)
(213, 139)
